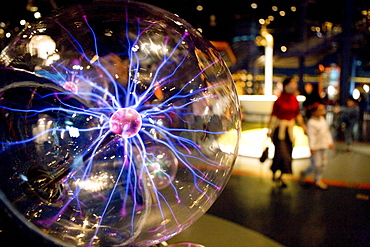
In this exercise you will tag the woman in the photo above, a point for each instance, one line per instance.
(284, 113)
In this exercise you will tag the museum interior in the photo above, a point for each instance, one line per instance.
(144, 123)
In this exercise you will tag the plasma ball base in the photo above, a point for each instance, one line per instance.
(125, 122)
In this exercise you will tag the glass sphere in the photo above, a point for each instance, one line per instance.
(119, 125)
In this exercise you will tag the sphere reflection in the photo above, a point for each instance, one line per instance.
(121, 129)
(162, 166)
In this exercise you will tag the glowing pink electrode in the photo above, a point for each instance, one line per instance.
(125, 122)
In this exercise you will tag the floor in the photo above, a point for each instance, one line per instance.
(297, 215)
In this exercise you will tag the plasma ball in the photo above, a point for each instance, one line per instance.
(127, 125)
(125, 122)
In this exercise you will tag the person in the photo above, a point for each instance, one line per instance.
(320, 140)
(284, 114)
(348, 119)
(312, 96)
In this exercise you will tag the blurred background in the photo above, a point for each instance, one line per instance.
(323, 42)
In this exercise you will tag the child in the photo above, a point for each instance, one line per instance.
(320, 139)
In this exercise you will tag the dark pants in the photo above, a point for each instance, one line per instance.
(283, 154)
